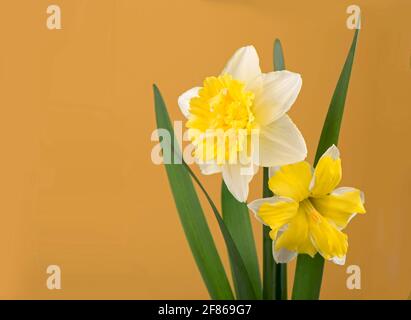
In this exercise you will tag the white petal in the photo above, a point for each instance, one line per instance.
(342, 190)
(277, 94)
(281, 143)
(244, 65)
(184, 100)
(332, 152)
(209, 168)
(273, 170)
(339, 261)
(237, 177)
(283, 255)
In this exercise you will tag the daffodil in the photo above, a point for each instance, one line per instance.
(307, 213)
(239, 103)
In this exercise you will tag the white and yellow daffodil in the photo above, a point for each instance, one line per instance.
(240, 102)
(307, 214)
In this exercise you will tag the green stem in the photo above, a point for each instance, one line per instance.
(282, 289)
(274, 275)
(269, 292)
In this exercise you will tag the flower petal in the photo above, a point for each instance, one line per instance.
(296, 237)
(185, 98)
(339, 261)
(341, 205)
(277, 94)
(292, 181)
(327, 173)
(280, 143)
(330, 242)
(237, 177)
(275, 211)
(209, 168)
(283, 255)
(255, 205)
(244, 65)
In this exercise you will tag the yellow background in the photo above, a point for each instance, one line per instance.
(77, 185)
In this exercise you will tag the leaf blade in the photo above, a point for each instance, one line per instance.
(192, 217)
(237, 219)
(245, 288)
(332, 125)
(274, 274)
(309, 271)
(278, 58)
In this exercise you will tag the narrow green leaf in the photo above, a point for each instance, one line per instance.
(332, 124)
(279, 62)
(308, 277)
(281, 269)
(237, 219)
(309, 271)
(274, 275)
(192, 216)
(245, 289)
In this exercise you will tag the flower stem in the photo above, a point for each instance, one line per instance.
(274, 275)
(269, 267)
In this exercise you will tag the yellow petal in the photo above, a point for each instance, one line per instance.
(327, 173)
(328, 240)
(297, 236)
(277, 214)
(292, 181)
(340, 205)
(283, 255)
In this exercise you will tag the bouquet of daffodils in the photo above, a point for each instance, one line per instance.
(237, 123)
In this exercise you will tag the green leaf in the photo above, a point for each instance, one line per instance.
(237, 219)
(274, 275)
(332, 124)
(245, 290)
(192, 216)
(308, 277)
(279, 63)
(309, 271)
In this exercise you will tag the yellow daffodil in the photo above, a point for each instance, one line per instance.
(238, 103)
(307, 214)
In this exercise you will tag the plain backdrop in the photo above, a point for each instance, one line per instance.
(77, 185)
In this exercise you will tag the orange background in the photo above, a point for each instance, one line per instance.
(78, 188)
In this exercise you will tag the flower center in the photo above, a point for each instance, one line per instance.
(223, 109)
(328, 240)
(223, 103)
(312, 214)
